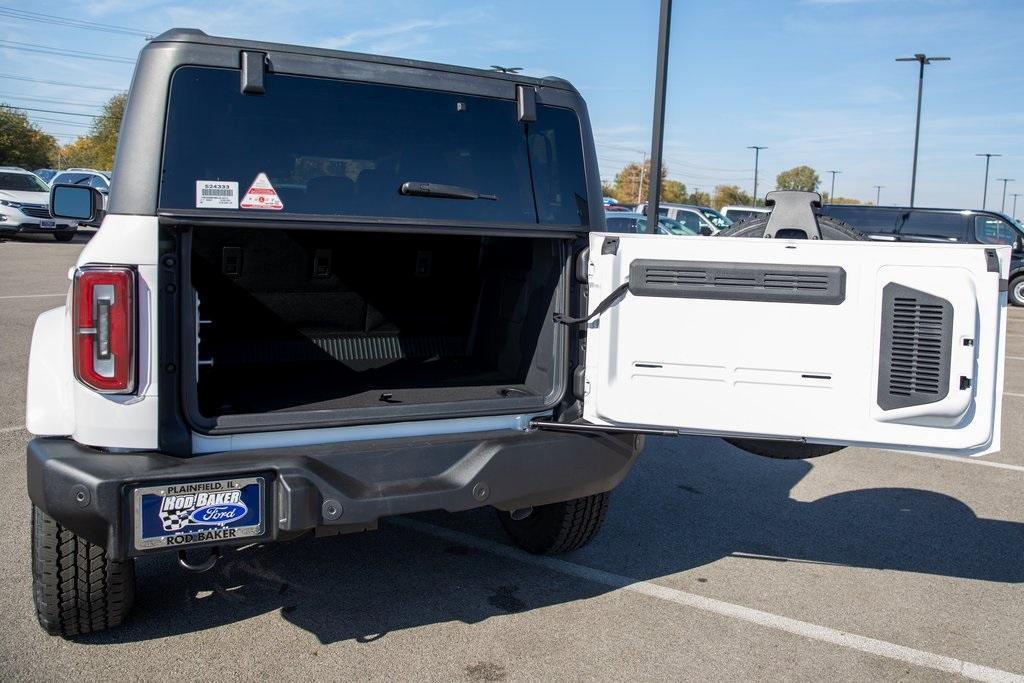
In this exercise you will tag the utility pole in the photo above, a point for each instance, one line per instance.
(1002, 207)
(921, 59)
(1015, 195)
(878, 194)
(988, 158)
(832, 194)
(658, 125)
(757, 151)
(640, 185)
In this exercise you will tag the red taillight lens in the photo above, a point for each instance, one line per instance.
(104, 328)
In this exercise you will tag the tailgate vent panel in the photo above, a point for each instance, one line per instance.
(916, 345)
(738, 281)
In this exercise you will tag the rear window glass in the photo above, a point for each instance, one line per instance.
(931, 224)
(333, 147)
(867, 219)
(992, 230)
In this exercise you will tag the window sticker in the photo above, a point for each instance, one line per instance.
(216, 194)
(262, 195)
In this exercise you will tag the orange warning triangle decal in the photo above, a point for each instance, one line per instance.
(262, 195)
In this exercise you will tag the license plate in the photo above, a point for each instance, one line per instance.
(173, 515)
(47, 224)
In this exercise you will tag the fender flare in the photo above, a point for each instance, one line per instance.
(49, 406)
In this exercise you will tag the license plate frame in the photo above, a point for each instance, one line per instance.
(205, 512)
(48, 224)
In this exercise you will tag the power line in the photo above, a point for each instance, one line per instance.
(76, 124)
(53, 111)
(61, 83)
(12, 96)
(26, 15)
(49, 50)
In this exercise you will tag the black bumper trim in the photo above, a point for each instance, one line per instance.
(370, 479)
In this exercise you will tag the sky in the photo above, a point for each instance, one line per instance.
(814, 81)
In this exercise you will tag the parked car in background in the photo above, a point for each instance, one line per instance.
(707, 216)
(637, 223)
(904, 224)
(46, 173)
(25, 206)
(742, 213)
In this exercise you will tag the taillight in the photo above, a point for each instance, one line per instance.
(104, 328)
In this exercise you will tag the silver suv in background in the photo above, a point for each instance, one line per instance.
(25, 206)
(708, 217)
(742, 213)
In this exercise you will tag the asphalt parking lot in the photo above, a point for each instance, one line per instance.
(712, 564)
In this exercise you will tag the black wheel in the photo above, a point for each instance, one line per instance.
(76, 588)
(63, 236)
(1017, 291)
(831, 229)
(559, 527)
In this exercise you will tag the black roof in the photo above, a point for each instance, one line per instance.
(198, 37)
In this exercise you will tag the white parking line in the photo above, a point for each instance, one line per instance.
(16, 428)
(31, 296)
(1010, 393)
(777, 622)
(967, 460)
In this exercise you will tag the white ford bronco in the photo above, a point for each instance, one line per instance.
(331, 288)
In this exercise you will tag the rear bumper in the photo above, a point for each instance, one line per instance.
(87, 490)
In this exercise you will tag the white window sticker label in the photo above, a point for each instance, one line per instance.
(262, 195)
(216, 194)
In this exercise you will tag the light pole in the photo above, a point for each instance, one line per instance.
(1002, 207)
(988, 158)
(1015, 195)
(832, 194)
(658, 124)
(757, 152)
(921, 60)
(878, 194)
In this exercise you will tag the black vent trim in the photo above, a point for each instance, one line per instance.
(916, 345)
(738, 281)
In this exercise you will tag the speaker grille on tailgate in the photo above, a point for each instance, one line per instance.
(787, 283)
(916, 344)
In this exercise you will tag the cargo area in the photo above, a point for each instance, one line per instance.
(373, 325)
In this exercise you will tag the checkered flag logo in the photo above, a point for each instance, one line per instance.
(173, 520)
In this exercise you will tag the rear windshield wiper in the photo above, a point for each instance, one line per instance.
(417, 189)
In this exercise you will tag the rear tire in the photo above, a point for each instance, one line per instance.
(831, 229)
(1017, 291)
(64, 236)
(77, 589)
(559, 527)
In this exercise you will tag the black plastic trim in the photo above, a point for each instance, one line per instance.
(915, 351)
(370, 479)
(768, 282)
(252, 72)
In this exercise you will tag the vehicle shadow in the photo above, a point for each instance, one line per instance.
(689, 502)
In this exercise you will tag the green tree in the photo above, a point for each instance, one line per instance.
(802, 178)
(673, 192)
(730, 194)
(700, 198)
(21, 143)
(632, 183)
(825, 199)
(96, 150)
